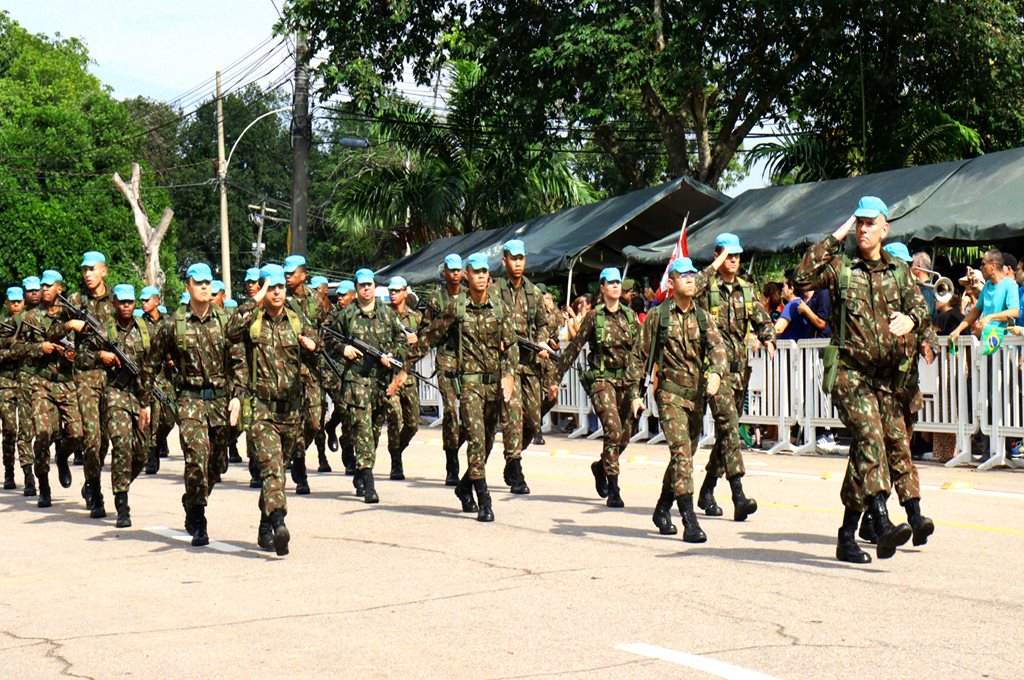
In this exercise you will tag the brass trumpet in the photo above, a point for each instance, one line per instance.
(942, 285)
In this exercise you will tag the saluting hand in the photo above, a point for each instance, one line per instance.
(720, 259)
(842, 231)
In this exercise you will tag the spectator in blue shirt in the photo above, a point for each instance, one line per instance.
(797, 321)
(821, 305)
(999, 301)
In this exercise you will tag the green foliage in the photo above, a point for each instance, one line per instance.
(62, 136)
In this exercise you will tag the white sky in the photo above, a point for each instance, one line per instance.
(162, 48)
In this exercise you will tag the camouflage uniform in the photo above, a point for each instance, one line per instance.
(452, 435)
(124, 398)
(404, 405)
(869, 361)
(274, 383)
(486, 351)
(605, 380)
(305, 305)
(56, 417)
(684, 359)
(522, 415)
(333, 385)
(366, 378)
(738, 312)
(207, 366)
(8, 400)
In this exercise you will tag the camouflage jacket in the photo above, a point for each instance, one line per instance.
(685, 357)
(311, 313)
(488, 350)
(413, 320)
(438, 300)
(529, 318)
(163, 369)
(272, 352)
(379, 328)
(9, 359)
(732, 319)
(122, 390)
(609, 355)
(28, 346)
(204, 358)
(874, 294)
(87, 345)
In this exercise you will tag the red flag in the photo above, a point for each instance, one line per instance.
(681, 250)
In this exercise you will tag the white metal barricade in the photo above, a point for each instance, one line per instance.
(572, 399)
(813, 405)
(1000, 400)
(429, 395)
(946, 387)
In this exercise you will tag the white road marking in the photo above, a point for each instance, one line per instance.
(182, 536)
(699, 663)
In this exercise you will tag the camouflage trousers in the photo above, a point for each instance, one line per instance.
(204, 442)
(363, 424)
(9, 423)
(521, 419)
(403, 416)
(272, 439)
(680, 420)
(91, 386)
(163, 417)
(312, 410)
(57, 419)
(26, 419)
(902, 471)
(726, 457)
(480, 409)
(613, 409)
(875, 421)
(452, 435)
(127, 441)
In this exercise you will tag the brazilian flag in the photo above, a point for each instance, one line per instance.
(992, 337)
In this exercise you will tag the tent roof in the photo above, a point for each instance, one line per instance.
(979, 199)
(594, 235)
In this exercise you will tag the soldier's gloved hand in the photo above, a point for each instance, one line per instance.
(900, 324)
(397, 383)
(109, 358)
(508, 386)
(144, 419)
(234, 409)
(637, 407)
(714, 382)
(307, 343)
(351, 353)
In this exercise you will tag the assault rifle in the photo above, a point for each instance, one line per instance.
(369, 350)
(535, 347)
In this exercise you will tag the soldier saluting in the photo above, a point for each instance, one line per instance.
(875, 305)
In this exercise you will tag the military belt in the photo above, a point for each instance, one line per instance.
(619, 374)
(677, 389)
(874, 372)
(481, 378)
(204, 393)
(736, 366)
(281, 406)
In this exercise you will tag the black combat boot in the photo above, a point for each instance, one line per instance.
(190, 518)
(614, 499)
(124, 517)
(299, 476)
(397, 471)
(332, 437)
(162, 449)
(200, 537)
(464, 492)
(265, 535)
(518, 485)
(744, 507)
(451, 467)
(348, 459)
(9, 477)
(357, 482)
(508, 472)
(98, 510)
(79, 459)
(706, 498)
(922, 526)
(87, 494)
(152, 462)
(847, 549)
(254, 473)
(233, 456)
(281, 534)
(63, 467)
(867, 531)
(663, 513)
(692, 533)
(30, 480)
(44, 492)
(600, 479)
(890, 536)
(321, 454)
(369, 492)
(485, 514)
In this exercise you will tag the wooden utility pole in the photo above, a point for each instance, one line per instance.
(151, 237)
(302, 134)
(225, 241)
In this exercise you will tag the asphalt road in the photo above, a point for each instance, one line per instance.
(558, 586)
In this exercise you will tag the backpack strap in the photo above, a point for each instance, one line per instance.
(179, 328)
(845, 275)
(144, 332)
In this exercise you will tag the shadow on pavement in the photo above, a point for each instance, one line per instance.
(771, 556)
(167, 544)
(805, 539)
